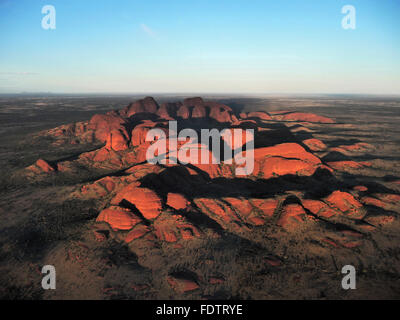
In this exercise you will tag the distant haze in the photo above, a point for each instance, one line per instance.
(236, 46)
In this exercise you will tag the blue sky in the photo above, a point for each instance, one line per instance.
(235, 46)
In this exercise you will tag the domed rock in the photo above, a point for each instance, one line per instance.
(116, 141)
(168, 111)
(266, 206)
(183, 112)
(220, 112)
(139, 132)
(103, 124)
(146, 105)
(177, 201)
(118, 218)
(292, 216)
(346, 203)
(315, 144)
(44, 166)
(137, 232)
(145, 200)
(319, 208)
(286, 150)
(276, 166)
(172, 228)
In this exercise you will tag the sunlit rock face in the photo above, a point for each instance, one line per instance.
(294, 185)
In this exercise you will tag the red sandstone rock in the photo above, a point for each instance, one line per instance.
(390, 198)
(319, 208)
(360, 188)
(183, 112)
(220, 212)
(103, 124)
(119, 218)
(260, 115)
(286, 150)
(345, 165)
(139, 133)
(220, 112)
(137, 232)
(101, 155)
(116, 141)
(292, 216)
(266, 206)
(44, 166)
(171, 228)
(147, 104)
(315, 144)
(275, 166)
(199, 110)
(145, 200)
(177, 201)
(345, 203)
(167, 111)
(308, 117)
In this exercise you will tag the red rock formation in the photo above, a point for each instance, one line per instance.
(300, 116)
(44, 166)
(149, 221)
(137, 232)
(319, 208)
(345, 203)
(259, 115)
(148, 105)
(117, 141)
(119, 218)
(199, 110)
(345, 165)
(360, 188)
(103, 124)
(220, 112)
(292, 216)
(177, 201)
(183, 112)
(282, 159)
(168, 111)
(275, 166)
(315, 144)
(145, 200)
(373, 202)
(360, 146)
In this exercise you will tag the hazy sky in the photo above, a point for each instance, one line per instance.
(235, 46)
